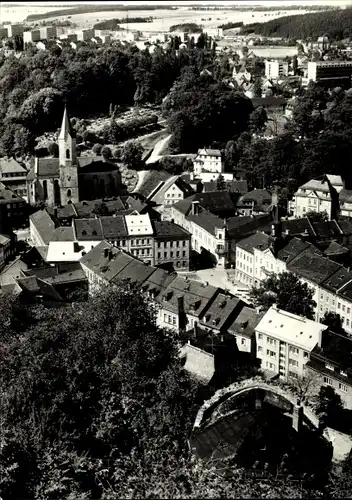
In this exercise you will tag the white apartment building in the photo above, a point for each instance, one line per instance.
(275, 69)
(208, 165)
(284, 342)
(48, 33)
(208, 231)
(315, 195)
(31, 36)
(84, 35)
(330, 70)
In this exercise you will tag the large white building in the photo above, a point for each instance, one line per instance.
(276, 69)
(317, 195)
(285, 341)
(208, 166)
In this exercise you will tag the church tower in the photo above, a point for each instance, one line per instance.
(69, 191)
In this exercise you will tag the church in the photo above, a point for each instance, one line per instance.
(69, 179)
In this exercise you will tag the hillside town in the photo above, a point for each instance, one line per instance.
(221, 200)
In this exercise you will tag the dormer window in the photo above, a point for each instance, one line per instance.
(329, 367)
(343, 373)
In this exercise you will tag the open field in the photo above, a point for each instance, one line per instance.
(166, 18)
(163, 18)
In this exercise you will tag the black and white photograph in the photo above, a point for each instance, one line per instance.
(175, 249)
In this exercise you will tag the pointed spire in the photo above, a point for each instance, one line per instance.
(66, 128)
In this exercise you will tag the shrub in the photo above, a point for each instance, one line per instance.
(97, 148)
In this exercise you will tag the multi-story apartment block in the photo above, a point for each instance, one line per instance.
(84, 35)
(275, 69)
(318, 195)
(331, 73)
(31, 36)
(12, 209)
(208, 231)
(285, 341)
(48, 32)
(330, 364)
(14, 30)
(171, 245)
(3, 33)
(208, 165)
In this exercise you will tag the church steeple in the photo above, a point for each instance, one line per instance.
(67, 141)
(69, 191)
(66, 128)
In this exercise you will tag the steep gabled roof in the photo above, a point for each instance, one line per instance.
(66, 128)
(44, 225)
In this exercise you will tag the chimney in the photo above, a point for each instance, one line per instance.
(195, 329)
(195, 207)
(297, 417)
(106, 252)
(36, 165)
(182, 318)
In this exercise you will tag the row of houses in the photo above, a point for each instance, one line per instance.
(155, 242)
(217, 323)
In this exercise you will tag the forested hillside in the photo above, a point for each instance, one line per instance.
(337, 24)
(113, 24)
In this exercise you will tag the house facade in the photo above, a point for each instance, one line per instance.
(317, 195)
(284, 342)
(208, 165)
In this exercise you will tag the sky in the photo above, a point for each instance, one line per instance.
(278, 3)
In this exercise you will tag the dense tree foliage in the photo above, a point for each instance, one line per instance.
(287, 292)
(317, 140)
(333, 321)
(91, 80)
(337, 24)
(231, 25)
(91, 8)
(203, 112)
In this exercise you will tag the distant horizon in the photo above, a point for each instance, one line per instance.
(254, 3)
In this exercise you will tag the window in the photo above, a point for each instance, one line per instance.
(169, 319)
(271, 341)
(293, 350)
(343, 387)
(69, 193)
(260, 349)
(292, 362)
(174, 320)
(177, 253)
(184, 263)
(178, 263)
(260, 336)
(165, 318)
(328, 381)
(329, 367)
(184, 243)
(243, 341)
(347, 322)
(292, 374)
(338, 305)
(159, 244)
(272, 354)
(305, 354)
(171, 255)
(183, 254)
(165, 255)
(67, 154)
(348, 310)
(159, 255)
(343, 307)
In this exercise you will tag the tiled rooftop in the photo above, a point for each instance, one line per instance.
(257, 240)
(312, 266)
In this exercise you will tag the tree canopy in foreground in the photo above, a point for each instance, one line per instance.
(95, 405)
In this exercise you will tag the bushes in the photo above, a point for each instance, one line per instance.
(97, 148)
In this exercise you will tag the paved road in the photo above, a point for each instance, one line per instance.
(155, 156)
